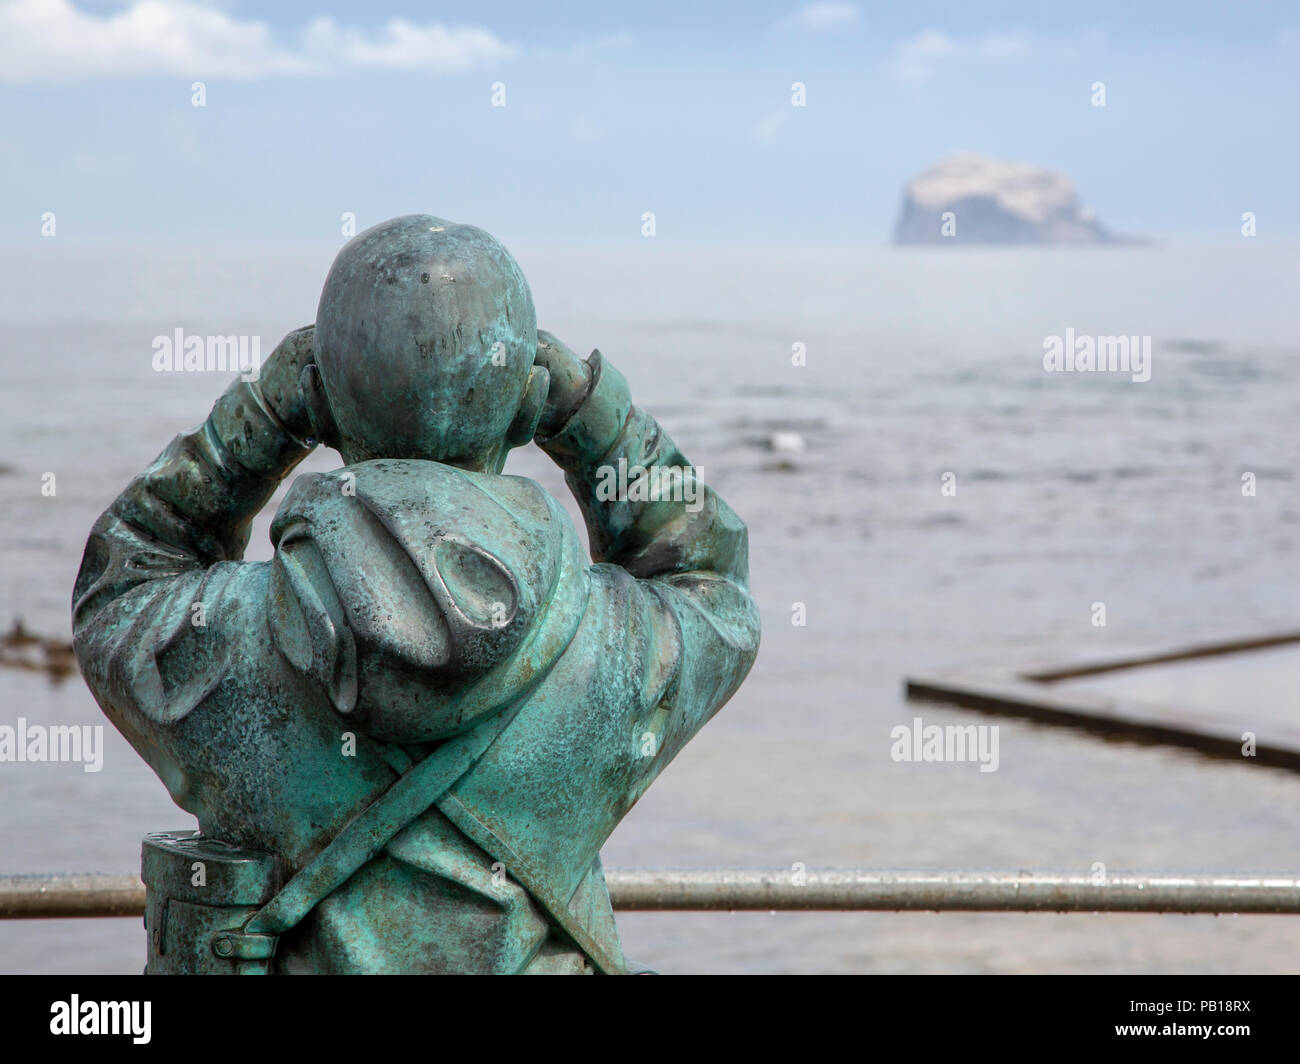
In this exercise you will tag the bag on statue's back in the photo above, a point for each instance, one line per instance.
(198, 894)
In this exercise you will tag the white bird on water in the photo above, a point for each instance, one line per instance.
(787, 443)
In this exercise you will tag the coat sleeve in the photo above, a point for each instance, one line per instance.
(162, 576)
(651, 517)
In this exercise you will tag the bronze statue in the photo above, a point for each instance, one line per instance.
(407, 736)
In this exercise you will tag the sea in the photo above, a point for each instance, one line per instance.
(921, 493)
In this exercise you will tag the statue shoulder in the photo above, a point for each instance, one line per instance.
(407, 589)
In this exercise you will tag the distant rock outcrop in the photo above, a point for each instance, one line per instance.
(970, 199)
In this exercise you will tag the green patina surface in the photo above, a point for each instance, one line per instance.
(407, 736)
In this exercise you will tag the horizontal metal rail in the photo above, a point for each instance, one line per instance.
(952, 890)
(34, 897)
(699, 890)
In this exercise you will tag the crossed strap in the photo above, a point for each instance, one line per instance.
(426, 783)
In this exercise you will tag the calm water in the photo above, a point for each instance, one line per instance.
(1071, 489)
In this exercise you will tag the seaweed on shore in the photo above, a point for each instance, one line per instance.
(21, 649)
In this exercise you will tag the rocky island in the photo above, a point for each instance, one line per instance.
(971, 199)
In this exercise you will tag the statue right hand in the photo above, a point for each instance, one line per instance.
(280, 380)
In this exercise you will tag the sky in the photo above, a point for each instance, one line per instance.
(314, 112)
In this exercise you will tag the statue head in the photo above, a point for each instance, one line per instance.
(424, 345)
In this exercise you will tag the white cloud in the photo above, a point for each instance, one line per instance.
(821, 16)
(402, 45)
(54, 41)
(917, 59)
(51, 40)
(587, 49)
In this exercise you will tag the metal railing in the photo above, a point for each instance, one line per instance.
(825, 890)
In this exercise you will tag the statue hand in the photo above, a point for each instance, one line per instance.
(570, 381)
(280, 380)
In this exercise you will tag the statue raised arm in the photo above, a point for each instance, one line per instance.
(413, 729)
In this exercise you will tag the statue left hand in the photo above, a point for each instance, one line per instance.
(570, 380)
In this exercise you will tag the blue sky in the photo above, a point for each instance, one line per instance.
(314, 109)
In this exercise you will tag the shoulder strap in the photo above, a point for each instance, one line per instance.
(362, 837)
(533, 881)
